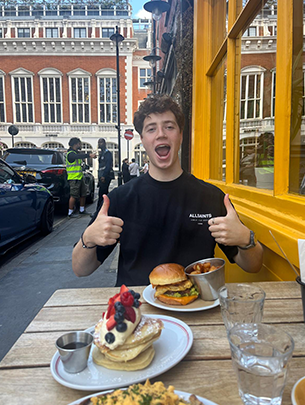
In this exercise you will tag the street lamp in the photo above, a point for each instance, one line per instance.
(157, 8)
(117, 38)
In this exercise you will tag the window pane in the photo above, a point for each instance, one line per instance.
(58, 112)
(52, 98)
(297, 131)
(24, 116)
(18, 115)
(52, 112)
(80, 89)
(73, 86)
(22, 85)
(2, 118)
(46, 113)
(45, 89)
(29, 88)
(80, 113)
(74, 116)
(16, 82)
(256, 127)
(1, 89)
(57, 87)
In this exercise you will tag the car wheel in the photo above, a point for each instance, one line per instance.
(47, 218)
(90, 197)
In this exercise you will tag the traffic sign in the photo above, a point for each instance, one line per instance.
(128, 134)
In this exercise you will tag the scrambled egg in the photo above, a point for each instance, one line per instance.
(138, 394)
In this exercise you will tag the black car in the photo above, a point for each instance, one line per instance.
(48, 166)
(26, 207)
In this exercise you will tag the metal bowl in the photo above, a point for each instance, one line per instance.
(208, 283)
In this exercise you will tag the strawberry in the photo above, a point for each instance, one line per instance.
(111, 323)
(130, 314)
(123, 289)
(111, 311)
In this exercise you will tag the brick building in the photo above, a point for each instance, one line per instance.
(58, 76)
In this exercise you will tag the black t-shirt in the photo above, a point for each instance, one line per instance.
(164, 222)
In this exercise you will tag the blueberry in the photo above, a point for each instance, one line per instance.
(118, 306)
(137, 296)
(132, 292)
(119, 317)
(121, 327)
(136, 303)
(109, 337)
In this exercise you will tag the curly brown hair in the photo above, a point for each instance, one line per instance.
(158, 103)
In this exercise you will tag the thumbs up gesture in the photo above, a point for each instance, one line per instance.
(105, 230)
(229, 230)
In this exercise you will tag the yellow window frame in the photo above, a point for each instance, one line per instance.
(259, 209)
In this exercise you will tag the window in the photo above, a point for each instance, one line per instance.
(2, 102)
(51, 99)
(273, 94)
(25, 145)
(80, 99)
(51, 32)
(140, 154)
(53, 145)
(250, 32)
(113, 148)
(80, 33)
(23, 33)
(107, 32)
(107, 100)
(23, 99)
(145, 76)
(251, 95)
(1, 33)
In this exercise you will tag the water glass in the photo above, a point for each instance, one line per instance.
(260, 355)
(241, 303)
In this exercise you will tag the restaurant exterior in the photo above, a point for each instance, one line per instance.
(246, 130)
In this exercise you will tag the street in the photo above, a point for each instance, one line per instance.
(29, 277)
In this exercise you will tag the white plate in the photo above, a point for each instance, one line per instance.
(181, 394)
(167, 355)
(294, 402)
(197, 305)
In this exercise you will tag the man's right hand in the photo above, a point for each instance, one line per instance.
(105, 230)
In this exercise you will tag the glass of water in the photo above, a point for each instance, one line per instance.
(260, 355)
(241, 303)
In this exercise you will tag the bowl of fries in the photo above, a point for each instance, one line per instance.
(208, 275)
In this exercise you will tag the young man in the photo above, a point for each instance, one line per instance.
(134, 169)
(76, 177)
(166, 215)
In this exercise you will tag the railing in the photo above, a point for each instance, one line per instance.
(63, 10)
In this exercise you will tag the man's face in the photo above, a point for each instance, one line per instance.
(101, 144)
(78, 146)
(161, 138)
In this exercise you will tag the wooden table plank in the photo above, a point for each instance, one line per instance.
(37, 349)
(100, 296)
(83, 317)
(214, 380)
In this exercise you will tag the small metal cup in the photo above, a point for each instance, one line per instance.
(208, 283)
(74, 349)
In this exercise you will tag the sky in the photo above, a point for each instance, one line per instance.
(138, 10)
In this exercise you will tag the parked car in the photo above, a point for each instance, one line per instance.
(48, 166)
(26, 207)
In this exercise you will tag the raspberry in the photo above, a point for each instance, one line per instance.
(127, 299)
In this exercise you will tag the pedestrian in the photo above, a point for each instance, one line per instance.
(134, 169)
(145, 167)
(105, 171)
(167, 215)
(75, 177)
(125, 170)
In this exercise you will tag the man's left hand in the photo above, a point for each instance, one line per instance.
(228, 230)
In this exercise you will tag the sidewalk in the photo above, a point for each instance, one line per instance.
(30, 279)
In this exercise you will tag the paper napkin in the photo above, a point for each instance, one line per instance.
(301, 245)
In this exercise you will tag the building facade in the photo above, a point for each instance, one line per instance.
(58, 76)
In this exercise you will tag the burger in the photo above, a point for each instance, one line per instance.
(172, 284)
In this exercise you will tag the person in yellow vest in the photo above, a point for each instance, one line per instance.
(76, 177)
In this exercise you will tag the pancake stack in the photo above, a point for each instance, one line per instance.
(123, 337)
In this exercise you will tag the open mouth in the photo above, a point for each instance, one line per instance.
(162, 150)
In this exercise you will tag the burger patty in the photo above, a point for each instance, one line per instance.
(181, 293)
(182, 286)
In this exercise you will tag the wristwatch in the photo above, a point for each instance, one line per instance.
(252, 243)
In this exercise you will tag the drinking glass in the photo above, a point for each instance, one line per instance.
(241, 303)
(260, 355)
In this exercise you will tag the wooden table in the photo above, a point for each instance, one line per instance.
(25, 376)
